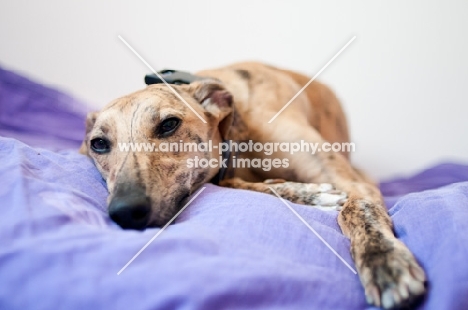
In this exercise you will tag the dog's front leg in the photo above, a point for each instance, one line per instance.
(319, 195)
(388, 271)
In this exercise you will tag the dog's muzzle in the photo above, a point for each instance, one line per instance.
(130, 207)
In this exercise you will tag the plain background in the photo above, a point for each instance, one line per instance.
(402, 81)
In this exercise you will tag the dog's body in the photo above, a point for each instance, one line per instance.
(237, 102)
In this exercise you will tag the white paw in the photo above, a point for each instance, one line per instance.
(328, 198)
(325, 187)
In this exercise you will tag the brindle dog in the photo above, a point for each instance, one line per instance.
(148, 188)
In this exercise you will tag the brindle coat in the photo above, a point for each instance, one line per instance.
(237, 102)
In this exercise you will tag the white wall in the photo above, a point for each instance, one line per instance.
(402, 81)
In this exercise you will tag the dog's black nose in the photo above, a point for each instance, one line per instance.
(130, 209)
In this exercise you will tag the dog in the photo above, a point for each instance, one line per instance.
(237, 102)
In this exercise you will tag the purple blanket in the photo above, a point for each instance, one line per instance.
(229, 249)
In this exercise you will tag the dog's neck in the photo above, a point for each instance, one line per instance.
(237, 131)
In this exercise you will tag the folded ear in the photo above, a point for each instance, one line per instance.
(90, 120)
(217, 102)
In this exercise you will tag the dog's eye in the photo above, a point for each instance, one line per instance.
(100, 145)
(168, 126)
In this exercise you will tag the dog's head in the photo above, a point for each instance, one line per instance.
(147, 188)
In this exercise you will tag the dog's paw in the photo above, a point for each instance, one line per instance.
(326, 197)
(390, 274)
(322, 196)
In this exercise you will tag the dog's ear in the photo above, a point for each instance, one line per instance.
(90, 120)
(217, 101)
